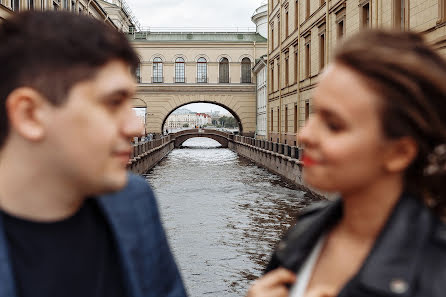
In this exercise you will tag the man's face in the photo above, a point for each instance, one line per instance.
(90, 135)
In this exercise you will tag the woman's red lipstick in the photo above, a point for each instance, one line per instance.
(307, 161)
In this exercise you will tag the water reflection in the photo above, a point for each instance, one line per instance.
(223, 215)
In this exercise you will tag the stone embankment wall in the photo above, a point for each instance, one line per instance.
(148, 154)
(279, 158)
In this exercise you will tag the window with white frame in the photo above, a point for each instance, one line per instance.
(202, 71)
(223, 71)
(157, 70)
(246, 70)
(180, 70)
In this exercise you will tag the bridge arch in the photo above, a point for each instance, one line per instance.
(232, 112)
(219, 136)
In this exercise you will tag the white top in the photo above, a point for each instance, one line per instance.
(306, 270)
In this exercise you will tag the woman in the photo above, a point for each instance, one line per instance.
(377, 136)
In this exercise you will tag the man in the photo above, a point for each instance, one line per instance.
(73, 222)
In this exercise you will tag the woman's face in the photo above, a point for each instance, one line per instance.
(343, 144)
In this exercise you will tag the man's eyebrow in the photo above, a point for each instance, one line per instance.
(118, 93)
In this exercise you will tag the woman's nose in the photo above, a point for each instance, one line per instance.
(307, 134)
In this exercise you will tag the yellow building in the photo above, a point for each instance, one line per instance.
(303, 33)
(114, 12)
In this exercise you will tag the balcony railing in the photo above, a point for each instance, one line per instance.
(179, 79)
(157, 79)
(202, 80)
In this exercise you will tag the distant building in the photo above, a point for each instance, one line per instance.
(114, 12)
(260, 71)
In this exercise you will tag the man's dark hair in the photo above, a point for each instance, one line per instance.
(52, 51)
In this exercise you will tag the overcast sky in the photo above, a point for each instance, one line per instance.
(194, 13)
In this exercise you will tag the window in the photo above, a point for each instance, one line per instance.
(223, 71)
(272, 120)
(246, 71)
(279, 83)
(15, 5)
(296, 14)
(286, 119)
(400, 13)
(272, 37)
(202, 71)
(287, 69)
(286, 23)
(307, 109)
(365, 14)
(321, 2)
(307, 60)
(42, 4)
(322, 51)
(441, 11)
(179, 70)
(278, 121)
(307, 9)
(138, 73)
(295, 118)
(73, 6)
(157, 70)
(295, 64)
(30, 4)
(340, 29)
(272, 77)
(278, 33)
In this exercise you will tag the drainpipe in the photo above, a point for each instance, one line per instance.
(268, 79)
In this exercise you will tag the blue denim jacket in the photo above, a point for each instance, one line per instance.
(147, 262)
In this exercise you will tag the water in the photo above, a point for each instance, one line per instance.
(223, 215)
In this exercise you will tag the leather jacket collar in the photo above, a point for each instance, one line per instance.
(391, 267)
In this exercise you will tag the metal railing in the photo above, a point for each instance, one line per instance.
(202, 80)
(157, 79)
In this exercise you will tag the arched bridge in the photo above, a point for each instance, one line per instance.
(219, 136)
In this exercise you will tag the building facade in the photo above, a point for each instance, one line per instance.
(116, 13)
(178, 68)
(302, 34)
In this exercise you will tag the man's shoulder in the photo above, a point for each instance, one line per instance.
(136, 194)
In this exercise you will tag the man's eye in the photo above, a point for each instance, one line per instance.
(114, 102)
(334, 126)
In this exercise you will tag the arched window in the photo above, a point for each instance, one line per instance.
(157, 70)
(246, 70)
(202, 76)
(223, 72)
(179, 71)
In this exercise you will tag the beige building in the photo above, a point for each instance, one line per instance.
(178, 68)
(303, 33)
(114, 12)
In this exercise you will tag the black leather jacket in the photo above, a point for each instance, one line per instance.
(407, 259)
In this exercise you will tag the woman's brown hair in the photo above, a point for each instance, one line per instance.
(410, 78)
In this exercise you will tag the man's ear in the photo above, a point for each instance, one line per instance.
(25, 108)
(400, 154)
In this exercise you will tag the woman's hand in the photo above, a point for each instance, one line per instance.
(272, 284)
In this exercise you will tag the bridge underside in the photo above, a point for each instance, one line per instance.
(220, 139)
(161, 100)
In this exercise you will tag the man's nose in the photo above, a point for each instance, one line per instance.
(132, 126)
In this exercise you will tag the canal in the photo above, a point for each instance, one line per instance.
(223, 215)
